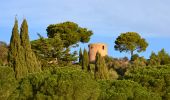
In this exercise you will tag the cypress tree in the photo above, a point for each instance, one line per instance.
(15, 53)
(31, 61)
(101, 71)
(85, 60)
(104, 69)
(80, 56)
(97, 65)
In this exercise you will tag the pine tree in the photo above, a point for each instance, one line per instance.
(85, 60)
(31, 61)
(16, 55)
(101, 71)
(80, 56)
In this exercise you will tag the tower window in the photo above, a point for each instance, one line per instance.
(103, 47)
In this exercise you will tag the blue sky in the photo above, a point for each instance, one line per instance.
(106, 18)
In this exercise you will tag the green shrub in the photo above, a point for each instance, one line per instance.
(60, 84)
(7, 82)
(154, 78)
(124, 90)
(113, 74)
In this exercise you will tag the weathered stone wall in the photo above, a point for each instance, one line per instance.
(97, 47)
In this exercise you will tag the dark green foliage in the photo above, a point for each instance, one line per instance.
(139, 62)
(20, 55)
(16, 56)
(51, 51)
(80, 56)
(68, 58)
(153, 78)
(8, 82)
(48, 50)
(60, 84)
(31, 61)
(101, 70)
(56, 48)
(134, 57)
(167, 82)
(69, 32)
(124, 90)
(119, 65)
(151, 83)
(116, 63)
(130, 41)
(3, 53)
(164, 57)
(85, 60)
(154, 60)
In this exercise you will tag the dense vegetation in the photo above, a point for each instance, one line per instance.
(74, 84)
(45, 69)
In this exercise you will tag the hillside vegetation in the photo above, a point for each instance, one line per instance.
(45, 69)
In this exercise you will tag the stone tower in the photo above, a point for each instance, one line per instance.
(97, 47)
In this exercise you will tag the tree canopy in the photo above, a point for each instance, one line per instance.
(69, 32)
(56, 48)
(130, 42)
(48, 49)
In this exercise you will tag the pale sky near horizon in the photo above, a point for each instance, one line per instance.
(106, 18)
